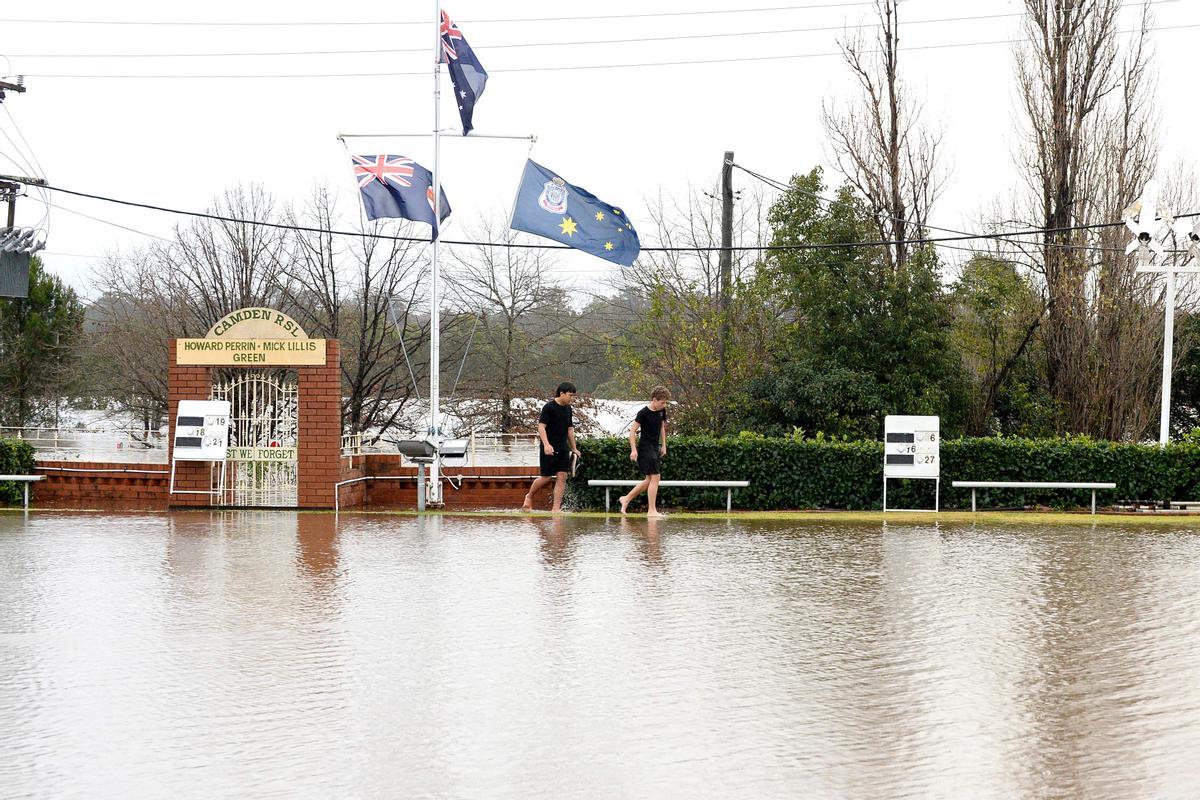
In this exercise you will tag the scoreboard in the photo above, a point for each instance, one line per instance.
(911, 447)
(202, 430)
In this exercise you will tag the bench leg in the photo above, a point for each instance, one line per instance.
(972, 501)
(26, 495)
(1093, 501)
(607, 497)
(728, 501)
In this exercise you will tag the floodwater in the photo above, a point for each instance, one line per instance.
(293, 655)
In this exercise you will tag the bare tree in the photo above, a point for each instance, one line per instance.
(522, 311)
(137, 312)
(221, 265)
(879, 143)
(358, 290)
(1089, 150)
(674, 298)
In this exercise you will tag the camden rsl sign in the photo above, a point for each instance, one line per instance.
(251, 337)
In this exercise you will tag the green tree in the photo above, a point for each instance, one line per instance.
(39, 338)
(997, 313)
(876, 333)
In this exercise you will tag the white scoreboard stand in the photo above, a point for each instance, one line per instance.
(911, 449)
(201, 434)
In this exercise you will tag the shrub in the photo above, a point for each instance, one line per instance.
(16, 458)
(792, 473)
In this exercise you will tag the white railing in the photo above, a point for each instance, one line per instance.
(502, 450)
(483, 449)
(352, 444)
(93, 444)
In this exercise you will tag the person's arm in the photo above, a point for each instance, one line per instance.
(633, 439)
(571, 439)
(546, 446)
(663, 448)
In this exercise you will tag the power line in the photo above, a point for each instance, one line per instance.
(108, 222)
(1005, 235)
(564, 68)
(556, 43)
(772, 31)
(783, 187)
(384, 23)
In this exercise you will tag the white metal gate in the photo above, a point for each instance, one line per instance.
(262, 436)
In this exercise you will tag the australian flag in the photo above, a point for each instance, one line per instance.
(549, 206)
(395, 186)
(467, 74)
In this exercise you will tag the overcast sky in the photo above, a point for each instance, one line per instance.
(624, 133)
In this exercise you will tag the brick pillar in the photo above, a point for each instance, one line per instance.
(186, 383)
(320, 430)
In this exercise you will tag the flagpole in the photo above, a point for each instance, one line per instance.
(434, 494)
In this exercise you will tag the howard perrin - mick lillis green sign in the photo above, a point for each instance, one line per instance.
(252, 337)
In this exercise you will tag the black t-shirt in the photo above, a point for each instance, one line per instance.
(557, 419)
(652, 424)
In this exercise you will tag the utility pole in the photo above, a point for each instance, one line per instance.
(726, 259)
(8, 193)
(9, 190)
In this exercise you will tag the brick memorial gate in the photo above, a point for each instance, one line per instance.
(285, 420)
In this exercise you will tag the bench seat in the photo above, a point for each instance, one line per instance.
(728, 486)
(1092, 485)
(27, 479)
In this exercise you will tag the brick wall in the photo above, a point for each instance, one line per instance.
(73, 484)
(320, 430)
(481, 487)
(186, 383)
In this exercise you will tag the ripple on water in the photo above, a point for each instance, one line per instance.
(273, 654)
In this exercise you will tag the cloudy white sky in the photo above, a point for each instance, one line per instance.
(162, 130)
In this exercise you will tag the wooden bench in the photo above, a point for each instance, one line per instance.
(973, 485)
(728, 486)
(27, 479)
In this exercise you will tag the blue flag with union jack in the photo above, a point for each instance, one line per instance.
(395, 186)
(467, 74)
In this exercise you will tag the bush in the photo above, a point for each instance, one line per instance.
(16, 458)
(793, 473)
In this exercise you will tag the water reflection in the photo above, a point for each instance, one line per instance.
(303, 655)
(645, 533)
(552, 534)
(316, 540)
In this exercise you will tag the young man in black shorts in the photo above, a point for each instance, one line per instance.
(648, 449)
(556, 434)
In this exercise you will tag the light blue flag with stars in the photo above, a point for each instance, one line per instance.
(549, 206)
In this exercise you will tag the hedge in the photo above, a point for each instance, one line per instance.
(789, 473)
(16, 458)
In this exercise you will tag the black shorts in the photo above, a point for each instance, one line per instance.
(552, 465)
(649, 460)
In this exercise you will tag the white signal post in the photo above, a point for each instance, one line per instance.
(1148, 221)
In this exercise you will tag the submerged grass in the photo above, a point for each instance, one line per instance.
(1176, 520)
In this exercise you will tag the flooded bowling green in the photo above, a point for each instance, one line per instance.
(282, 654)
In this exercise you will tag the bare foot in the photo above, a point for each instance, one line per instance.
(654, 514)
(624, 501)
(528, 504)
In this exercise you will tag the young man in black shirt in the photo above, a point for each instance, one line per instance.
(556, 433)
(648, 449)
